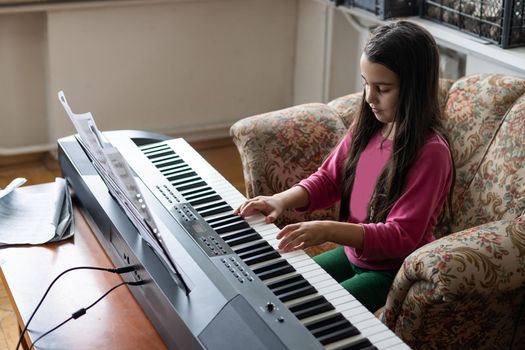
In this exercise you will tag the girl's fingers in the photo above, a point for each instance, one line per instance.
(295, 244)
(289, 236)
(249, 207)
(286, 230)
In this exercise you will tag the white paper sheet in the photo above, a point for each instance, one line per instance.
(32, 214)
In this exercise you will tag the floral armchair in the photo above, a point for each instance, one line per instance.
(464, 290)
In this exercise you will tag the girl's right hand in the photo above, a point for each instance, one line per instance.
(270, 206)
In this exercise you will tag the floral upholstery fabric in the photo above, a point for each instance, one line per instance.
(475, 109)
(465, 290)
(278, 149)
(462, 291)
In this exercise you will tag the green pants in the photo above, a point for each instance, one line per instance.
(370, 287)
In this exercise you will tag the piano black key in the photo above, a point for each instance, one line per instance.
(237, 234)
(189, 181)
(227, 221)
(215, 210)
(301, 290)
(200, 194)
(182, 166)
(232, 227)
(332, 328)
(218, 219)
(210, 206)
(311, 307)
(190, 186)
(161, 162)
(167, 171)
(153, 148)
(254, 250)
(262, 257)
(326, 322)
(273, 270)
(205, 200)
(339, 334)
(251, 247)
(196, 192)
(169, 163)
(158, 155)
(175, 178)
(295, 284)
(285, 282)
(232, 242)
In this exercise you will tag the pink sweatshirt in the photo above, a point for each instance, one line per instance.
(410, 223)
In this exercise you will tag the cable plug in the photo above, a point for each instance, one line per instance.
(124, 269)
(136, 283)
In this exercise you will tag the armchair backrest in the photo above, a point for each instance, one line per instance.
(485, 121)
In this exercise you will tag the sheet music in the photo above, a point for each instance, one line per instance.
(119, 178)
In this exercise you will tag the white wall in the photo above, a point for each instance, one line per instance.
(184, 67)
(23, 118)
(327, 49)
(187, 67)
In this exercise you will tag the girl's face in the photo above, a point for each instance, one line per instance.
(381, 89)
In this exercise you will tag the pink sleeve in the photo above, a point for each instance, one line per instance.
(324, 186)
(411, 220)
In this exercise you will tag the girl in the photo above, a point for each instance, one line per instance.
(393, 171)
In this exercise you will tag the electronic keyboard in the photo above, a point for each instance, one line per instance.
(233, 289)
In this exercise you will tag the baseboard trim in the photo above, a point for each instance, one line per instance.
(200, 144)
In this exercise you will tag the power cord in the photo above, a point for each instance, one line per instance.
(82, 311)
(118, 270)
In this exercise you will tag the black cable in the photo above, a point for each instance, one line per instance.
(82, 311)
(118, 270)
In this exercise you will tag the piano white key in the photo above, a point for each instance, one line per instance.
(320, 278)
(320, 316)
(293, 302)
(380, 341)
(304, 264)
(211, 217)
(159, 161)
(359, 315)
(385, 334)
(399, 346)
(371, 327)
(326, 283)
(170, 169)
(341, 344)
(280, 278)
(332, 288)
(265, 263)
(247, 244)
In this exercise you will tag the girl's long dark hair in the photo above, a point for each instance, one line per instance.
(410, 52)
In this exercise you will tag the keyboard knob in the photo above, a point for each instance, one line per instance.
(270, 307)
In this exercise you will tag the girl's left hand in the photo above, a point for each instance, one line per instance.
(302, 235)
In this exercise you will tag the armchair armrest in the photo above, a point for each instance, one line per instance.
(465, 290)
(280, 148)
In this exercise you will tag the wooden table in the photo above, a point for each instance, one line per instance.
(116, 322)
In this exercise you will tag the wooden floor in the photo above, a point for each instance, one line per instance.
(41, 168)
